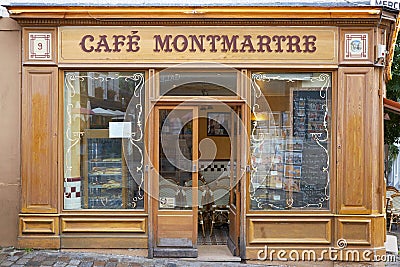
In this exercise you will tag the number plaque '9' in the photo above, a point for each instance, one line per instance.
(40, 46)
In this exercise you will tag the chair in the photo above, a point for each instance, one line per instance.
(220, 208)
(201, 182)
(168, 181)
(200, 211)
(395, 210)
(224, 182)
(390, 190)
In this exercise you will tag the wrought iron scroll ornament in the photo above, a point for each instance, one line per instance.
(260, 141)
(136, 137)
(72, 137)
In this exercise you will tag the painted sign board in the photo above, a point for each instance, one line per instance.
(153, 44)
(394, 4)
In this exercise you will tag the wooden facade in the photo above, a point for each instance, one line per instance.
(357, 190)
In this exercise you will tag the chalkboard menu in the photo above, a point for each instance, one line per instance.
(290, 165)
(309, 113)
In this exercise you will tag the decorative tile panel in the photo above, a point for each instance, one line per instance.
(40, 46)
(356, 46)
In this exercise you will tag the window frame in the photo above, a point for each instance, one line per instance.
(332, 205)
(61, 147)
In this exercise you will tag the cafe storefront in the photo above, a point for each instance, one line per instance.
(167, 129)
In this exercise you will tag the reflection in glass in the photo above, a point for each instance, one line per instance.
(181, 83)
(290, 141)
(175, 158)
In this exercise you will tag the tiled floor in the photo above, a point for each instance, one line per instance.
(218, 237)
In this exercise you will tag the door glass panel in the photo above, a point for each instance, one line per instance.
(175, 158)
(235, 145)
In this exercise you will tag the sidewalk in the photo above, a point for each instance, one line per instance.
(57, 258)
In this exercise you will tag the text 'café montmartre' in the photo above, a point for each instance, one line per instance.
(201, 43)
(170, 130)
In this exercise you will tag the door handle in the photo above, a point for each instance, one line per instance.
(147, 168)
(249, 168)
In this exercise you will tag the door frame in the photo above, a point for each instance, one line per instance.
(156, 212)
(235, 211)
(170, 103)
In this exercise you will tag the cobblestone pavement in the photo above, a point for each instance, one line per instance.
(46, 258)
(56, 258)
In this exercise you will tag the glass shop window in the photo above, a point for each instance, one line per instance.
(103, 140)
(290, 141)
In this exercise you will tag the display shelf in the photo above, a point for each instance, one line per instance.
(105, 173)
(104, 162)
(102, 187)
(114, 174)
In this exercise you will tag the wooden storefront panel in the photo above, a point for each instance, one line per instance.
(39, 140)
(359, 231)
(355, 231)
(39, 231)
(377, 145)
(97, 231)
(347, 34)
(355, 136)
(103, 225)
(110, 241)
(289, 231)
(169, 224)
(39, 225)
(39, 45)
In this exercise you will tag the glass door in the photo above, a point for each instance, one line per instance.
(176, 201)
(236, 173)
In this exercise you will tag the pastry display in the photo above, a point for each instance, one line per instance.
(112, 160)
(112, 184)
(105, 170)
(105, 181)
